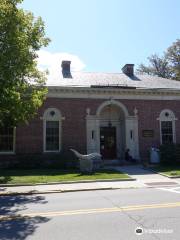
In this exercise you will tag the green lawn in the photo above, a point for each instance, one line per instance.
(169, 170)
(33, 176)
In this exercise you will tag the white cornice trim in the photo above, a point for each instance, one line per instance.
(103, 93)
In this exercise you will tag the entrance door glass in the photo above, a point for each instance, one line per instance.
(108, 142)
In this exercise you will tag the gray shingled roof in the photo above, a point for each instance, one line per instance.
(86, 79)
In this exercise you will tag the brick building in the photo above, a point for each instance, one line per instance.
(100, 112)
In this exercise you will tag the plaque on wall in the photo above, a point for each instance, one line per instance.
(148, 133)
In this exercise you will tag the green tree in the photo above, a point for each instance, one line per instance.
(167, 66)
(173, 56)
(157, 67)
(22, 85)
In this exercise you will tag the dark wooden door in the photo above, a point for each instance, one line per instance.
(108, 142)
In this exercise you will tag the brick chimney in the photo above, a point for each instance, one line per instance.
(66, 69)
(128, 69)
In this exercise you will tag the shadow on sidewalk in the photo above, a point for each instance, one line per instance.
(136, 170)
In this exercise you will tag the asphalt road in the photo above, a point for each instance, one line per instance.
(99, 215)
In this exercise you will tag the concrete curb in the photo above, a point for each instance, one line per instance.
(34, 192)
(55, 191)
(70, 182)
(162, 174)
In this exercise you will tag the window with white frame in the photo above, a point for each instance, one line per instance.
(167, 127)
(6, 139)
(52, 130)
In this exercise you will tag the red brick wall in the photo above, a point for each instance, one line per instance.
(29, 138)
(148, 112)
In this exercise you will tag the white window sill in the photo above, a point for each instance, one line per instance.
(58, 151)
(7, 153)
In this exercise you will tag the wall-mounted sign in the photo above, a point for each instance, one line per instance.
(148, 133)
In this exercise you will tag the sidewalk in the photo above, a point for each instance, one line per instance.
(144, 178)
(147, 177)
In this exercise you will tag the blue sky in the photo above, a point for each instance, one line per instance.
(103, 35)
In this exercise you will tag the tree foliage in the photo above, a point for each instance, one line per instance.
(167, 66)
(22, 85)
(173, 56)
(158, 67)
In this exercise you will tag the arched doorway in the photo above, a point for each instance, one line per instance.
(112, 130)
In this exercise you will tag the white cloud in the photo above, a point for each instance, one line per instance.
(52, 62)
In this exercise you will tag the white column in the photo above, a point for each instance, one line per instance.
(91, 134)
(132, 140)
(97, 135)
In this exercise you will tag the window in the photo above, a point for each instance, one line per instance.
(167, 132)
(167, 127)
(52, 130)
(52, 135)
(6, 139)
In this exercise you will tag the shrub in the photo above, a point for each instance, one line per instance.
(62, 160)
(177, 153)
(170, 154)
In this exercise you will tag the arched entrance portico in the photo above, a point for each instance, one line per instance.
(111, 117)
(112, 130)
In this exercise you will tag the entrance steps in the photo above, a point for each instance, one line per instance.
(112, 162)
(116, 162)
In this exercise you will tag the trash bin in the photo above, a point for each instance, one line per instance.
(154, 155)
